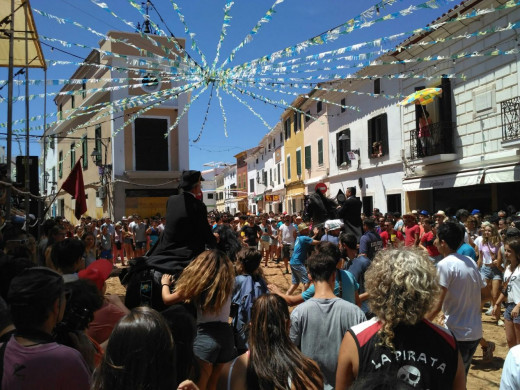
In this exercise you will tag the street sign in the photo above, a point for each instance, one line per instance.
(322, 187)
(351, 156)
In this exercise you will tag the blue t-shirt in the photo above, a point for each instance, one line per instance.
(330, 238)
(358, 267)
(370, 243)
(466, 250)
(309, 293)
(300, 250)
(349, 285)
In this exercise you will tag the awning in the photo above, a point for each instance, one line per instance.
(503, 174)
(461, 179)
(22, 12)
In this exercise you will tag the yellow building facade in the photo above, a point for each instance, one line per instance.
(292, 127)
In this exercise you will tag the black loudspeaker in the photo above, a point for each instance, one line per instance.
(34, 187)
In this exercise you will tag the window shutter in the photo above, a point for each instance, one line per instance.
(370, 136)
(339, 149)
(308, 157)
(298, 162)
(384, 134)
(320, 152)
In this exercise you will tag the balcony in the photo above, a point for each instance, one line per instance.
(439, 143)
(510, 114)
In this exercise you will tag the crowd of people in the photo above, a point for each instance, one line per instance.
(397, 307)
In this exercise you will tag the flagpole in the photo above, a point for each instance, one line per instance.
(58, 192)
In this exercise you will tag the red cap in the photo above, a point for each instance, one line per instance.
(98, 272)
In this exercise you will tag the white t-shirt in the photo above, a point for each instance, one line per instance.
(513, 287)
(461, 306)
(511, 371)
(288, 234)
(477, 242)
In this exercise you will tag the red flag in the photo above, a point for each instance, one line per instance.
(74, 186)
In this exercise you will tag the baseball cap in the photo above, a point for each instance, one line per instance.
(475, 211)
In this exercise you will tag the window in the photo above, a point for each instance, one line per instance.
(319, 107)
(264, 177)
(368, 205)
(53, 175)
(60, 164)
(308, 157)
(279, 175)
(72, 101)
(52, 142)
(287, 128)
(377, 86)
(251, 185)
(149, 136)
(84, 151)
(72, 155)
(343, 146)
(281, 137)
(210, 196)
(274, 144)
(299, 162)
(84, 89)
(60, 112)
(378, 136)
(393, 202)
(270, 176)
(288, 167)
(297, 122)
(320, 152)
(97, 143)
(343, 102)
(307, 116)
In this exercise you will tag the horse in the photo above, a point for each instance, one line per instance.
(320, 208)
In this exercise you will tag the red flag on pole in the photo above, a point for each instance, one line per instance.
(74, 186)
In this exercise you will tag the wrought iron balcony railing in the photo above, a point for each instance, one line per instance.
(510, 113)
(440, 140)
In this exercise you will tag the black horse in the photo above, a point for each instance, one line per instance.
(319, 208)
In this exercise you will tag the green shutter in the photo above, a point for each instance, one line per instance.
(299, 162)
(320, 152)
(84, 150)
(308, 157)
(288, 167)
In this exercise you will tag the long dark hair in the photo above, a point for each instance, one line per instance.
(139, 354)
(274, 359)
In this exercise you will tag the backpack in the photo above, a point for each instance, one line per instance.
(247, 290)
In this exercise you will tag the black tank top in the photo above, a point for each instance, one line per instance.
(425, 355)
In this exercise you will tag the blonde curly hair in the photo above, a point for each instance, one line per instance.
(208, 281)
(402, 285)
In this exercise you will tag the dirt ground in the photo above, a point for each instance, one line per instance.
(481, 375)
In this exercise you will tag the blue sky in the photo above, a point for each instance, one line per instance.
(293, 22)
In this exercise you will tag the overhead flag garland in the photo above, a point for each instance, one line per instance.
(291, 71)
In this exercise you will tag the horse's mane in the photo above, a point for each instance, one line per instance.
(320, 208)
